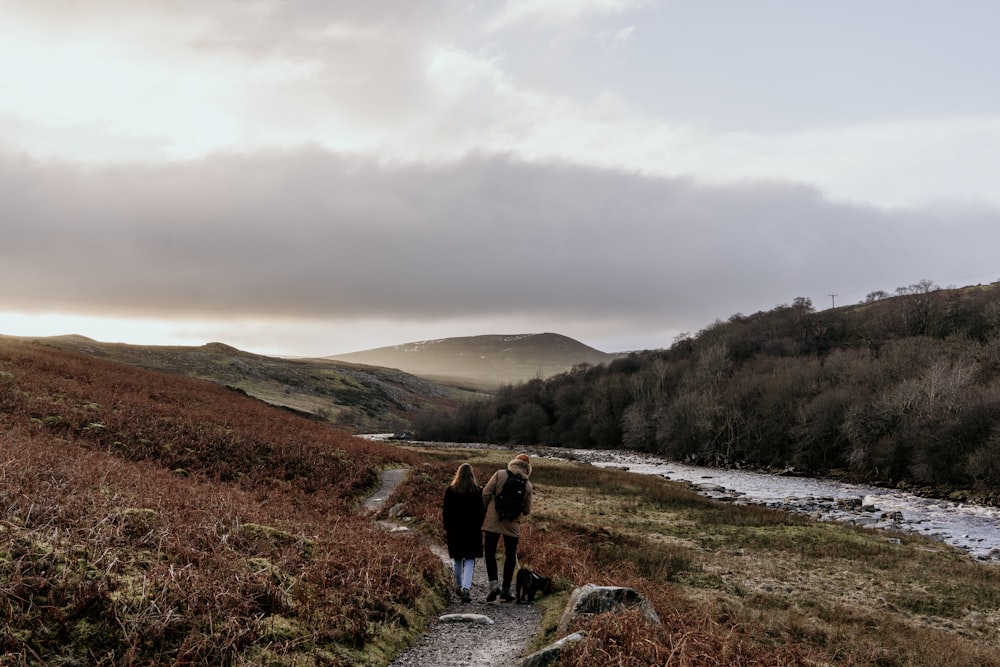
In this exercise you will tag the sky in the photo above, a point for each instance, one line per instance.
(316, 177)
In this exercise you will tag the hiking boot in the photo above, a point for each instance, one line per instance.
(466, 595)
(494, 592)
(506, 596)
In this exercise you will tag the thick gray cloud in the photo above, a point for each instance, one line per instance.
(314, 235)
(616, 170)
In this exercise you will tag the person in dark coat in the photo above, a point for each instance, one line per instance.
(463, 513)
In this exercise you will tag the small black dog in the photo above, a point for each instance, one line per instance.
(529, 583)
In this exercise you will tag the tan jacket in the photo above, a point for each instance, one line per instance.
(492, 522)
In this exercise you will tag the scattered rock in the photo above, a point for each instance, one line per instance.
(551, 653)
(481, 619)
(393, 527)
(709, 487)
(591, 599)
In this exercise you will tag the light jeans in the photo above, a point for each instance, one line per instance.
(464, 567)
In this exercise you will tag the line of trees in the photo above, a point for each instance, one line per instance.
(900, 389)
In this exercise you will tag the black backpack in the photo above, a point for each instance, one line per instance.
(509, 502)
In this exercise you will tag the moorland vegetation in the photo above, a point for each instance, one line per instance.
(733, 585)
(901, 389)
(154, 519)
(357, 398)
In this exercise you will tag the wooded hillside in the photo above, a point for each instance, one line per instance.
(901, 389)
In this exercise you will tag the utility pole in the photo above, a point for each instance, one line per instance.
(833, 300)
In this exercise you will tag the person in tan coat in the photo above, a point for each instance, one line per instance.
(510, 529)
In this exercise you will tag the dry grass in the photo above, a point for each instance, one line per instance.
(741, 585)
(149, 519)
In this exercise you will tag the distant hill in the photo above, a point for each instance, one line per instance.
(356, 397)
(363, 391)
(483, 362)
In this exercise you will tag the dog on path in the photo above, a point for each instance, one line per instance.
(530, 583)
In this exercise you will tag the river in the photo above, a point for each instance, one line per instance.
(974, 528)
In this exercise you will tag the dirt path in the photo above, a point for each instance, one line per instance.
(484, 633)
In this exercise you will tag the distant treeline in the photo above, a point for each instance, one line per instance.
(901, 388)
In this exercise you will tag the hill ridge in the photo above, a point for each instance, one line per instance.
(361, 398)
(483, 361)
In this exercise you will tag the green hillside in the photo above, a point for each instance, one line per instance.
(372, 391)
(359, 398)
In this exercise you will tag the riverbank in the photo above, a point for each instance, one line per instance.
(974, 528)
(741, 583)
(971, 526)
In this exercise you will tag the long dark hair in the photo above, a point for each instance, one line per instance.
(464, 480)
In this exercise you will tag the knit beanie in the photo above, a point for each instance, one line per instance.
(520, 464)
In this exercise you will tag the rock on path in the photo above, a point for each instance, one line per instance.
(450, 644)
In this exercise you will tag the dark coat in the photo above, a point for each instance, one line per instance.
(463, 520)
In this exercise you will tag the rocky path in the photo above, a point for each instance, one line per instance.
(477, 633)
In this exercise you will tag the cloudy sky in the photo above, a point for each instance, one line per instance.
(322, 176)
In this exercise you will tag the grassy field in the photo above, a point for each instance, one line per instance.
(739, 585)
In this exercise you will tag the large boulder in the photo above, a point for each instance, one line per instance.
(591, 600)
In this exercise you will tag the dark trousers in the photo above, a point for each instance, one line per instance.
(509, 558)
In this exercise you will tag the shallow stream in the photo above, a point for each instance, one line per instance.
(974, 528)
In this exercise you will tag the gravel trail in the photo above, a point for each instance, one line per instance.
(471, 639)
